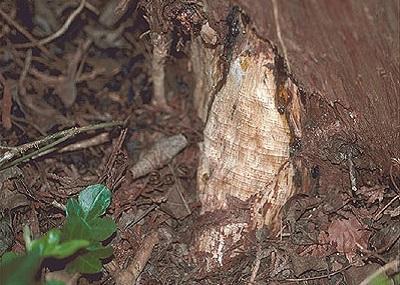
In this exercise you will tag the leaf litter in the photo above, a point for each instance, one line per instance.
(82, 63)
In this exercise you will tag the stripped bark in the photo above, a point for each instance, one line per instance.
(245, 174)
(296, 96)
(272, 131)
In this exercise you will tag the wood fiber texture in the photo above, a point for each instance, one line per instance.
(347, 51)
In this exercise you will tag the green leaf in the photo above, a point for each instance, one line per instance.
(8, 257)
(75, 227)
(74, 209)
(94, 200)
(102, 228)
(49, 245)
(90, 261)
(20, 270)
(67, 248)
(84, 222)
(83, 215)
(46, 242)
(396, 279)
(84, 229)
(381, 279)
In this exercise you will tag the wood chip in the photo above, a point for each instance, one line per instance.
(160, 154)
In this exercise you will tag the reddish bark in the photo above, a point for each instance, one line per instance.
(345, 54)
(344, 58)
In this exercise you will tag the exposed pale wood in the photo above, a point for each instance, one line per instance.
(339, 100)
(347, 52)
(204, 64)
(245, 153)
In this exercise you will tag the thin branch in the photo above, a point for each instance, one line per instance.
(21, 81)
(92, 8)
(395, 186)
(133, 270)
(94, 141)
(49, 143)
(20, 29)
(58, 33)
(141, 217)
(386, 206)
(317, 277)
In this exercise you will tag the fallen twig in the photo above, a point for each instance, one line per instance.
(92, 8)
(377, 216)
(96, 140)
(66, 90)
(60, 79)
(397, 190)
(49, 142)
(132, 272)
(21, 81)
(141, 217)
(317, 277)
(58, 33)
(113, 12)
(179, 189)
(113, 156)
(256, 265)
(20, 29)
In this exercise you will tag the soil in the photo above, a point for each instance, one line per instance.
(98, 70)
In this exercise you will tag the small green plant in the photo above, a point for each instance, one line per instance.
(382, 279)
(79, 239)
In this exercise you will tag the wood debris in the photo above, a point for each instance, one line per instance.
(159, 155)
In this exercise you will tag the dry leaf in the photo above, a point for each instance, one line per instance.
(320, 249)
(373, 194)
(10, 199)
(302, 264)
(6, 234)
(66, 91)
(63, 276)
(348, 236)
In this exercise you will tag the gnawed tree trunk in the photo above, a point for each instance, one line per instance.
(245, 174)
(330, 118)
(296, 96)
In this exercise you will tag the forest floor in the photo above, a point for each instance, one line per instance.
(92, 72)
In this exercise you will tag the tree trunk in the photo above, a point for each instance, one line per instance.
(296, 96)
